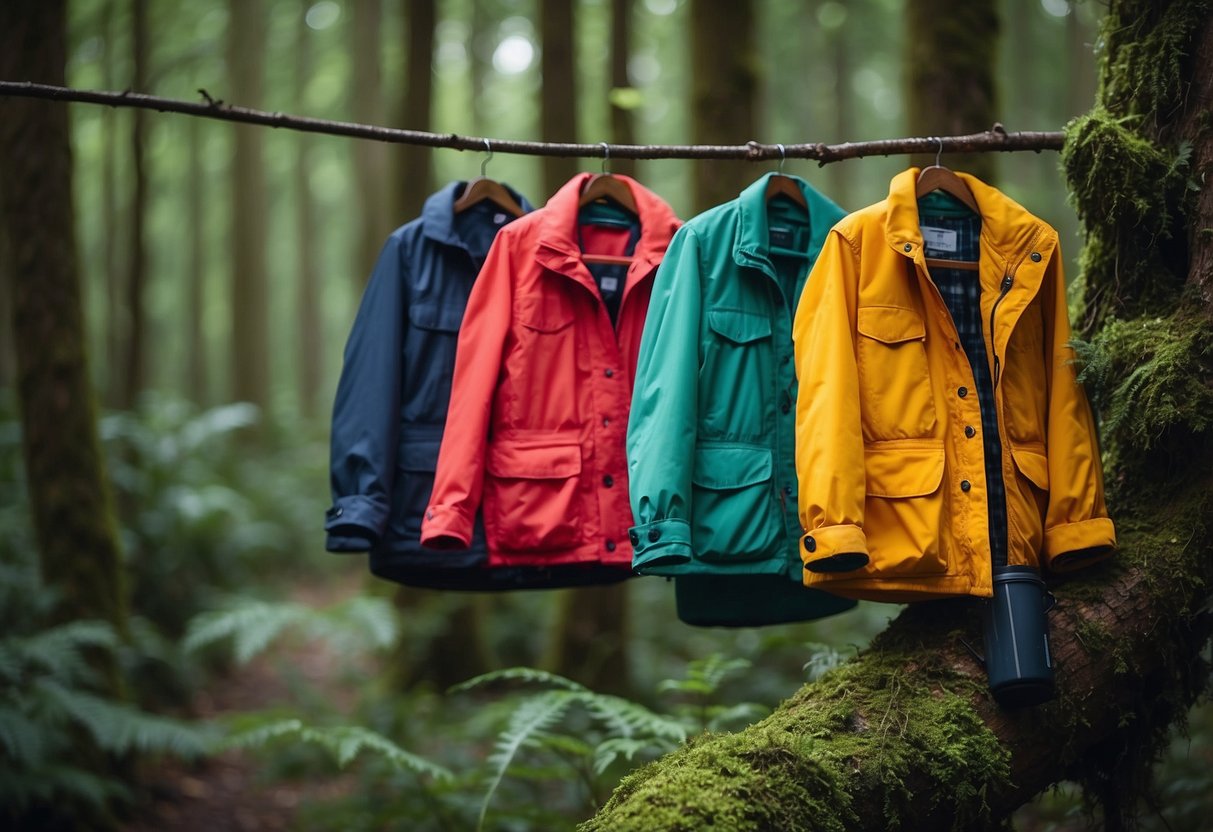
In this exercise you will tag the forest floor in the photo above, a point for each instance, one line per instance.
(229, 791)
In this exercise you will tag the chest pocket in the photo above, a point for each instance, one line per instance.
(430, 356)
(896, 400)
(736, 378)
(1024, 391)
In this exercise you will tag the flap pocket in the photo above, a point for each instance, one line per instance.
(903, 472)
(533, 462)
(436, 316)
(419, 455)
(1033, 464)
(890, 324)
(545, 314)
(739, 327)
(726, 468)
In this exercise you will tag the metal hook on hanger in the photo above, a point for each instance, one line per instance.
(938, 153)
(783, 156)
(488, 148)
(606, 157)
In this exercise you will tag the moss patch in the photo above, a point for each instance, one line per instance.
(882, 725)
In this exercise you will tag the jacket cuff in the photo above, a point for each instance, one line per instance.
(1072, 546)
(841, 548)
(354, 523)
(445, 527)
(663, 543)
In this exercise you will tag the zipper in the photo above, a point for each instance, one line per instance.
(1005, 287)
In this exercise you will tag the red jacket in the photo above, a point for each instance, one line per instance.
(542, 388)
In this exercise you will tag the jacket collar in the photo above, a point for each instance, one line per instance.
(558, 248)
(1008, 230)
(753, 244)
(438, 213)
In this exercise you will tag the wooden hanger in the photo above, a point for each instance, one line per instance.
(938, 178)
(483, 188)
(780, 185)
(605, 186)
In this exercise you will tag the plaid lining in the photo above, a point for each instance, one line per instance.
(961, 292)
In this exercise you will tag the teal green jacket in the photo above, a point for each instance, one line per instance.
(711, 436)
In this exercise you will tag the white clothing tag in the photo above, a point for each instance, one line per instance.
(498, 219)
(940, 239)
(609, 284)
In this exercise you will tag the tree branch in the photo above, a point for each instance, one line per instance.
(994, 140)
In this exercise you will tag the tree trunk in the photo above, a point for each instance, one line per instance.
(69, 493)
(950, 55)
(724, 73)
(310, 323)
(195, 327)
(370, 158)
(414, 175)
(249, 283)
(622, 128)
(906, 734)
(844, 111)
(558, 94)
(115, 315)
(134, 367)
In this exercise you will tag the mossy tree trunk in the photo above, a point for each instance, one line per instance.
(69, 493)
(724, 94)
(949, 60)
(906, 733)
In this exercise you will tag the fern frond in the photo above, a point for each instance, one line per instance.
(120, 728)
(630, 719)
(21, 789)
(533, 717)
(343, 742)
(610, 750)
(529, 675)
(23, 738)
(59, 651)
(251, 625)
(361, 621)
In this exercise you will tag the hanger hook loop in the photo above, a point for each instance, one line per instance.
(939, 152)
(488, 148)
(606, 157)
(783, 156)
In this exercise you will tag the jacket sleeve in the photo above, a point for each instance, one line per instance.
(664, 415)
(459, 479)
(829, 441)
(1078, 531)
(366, 411)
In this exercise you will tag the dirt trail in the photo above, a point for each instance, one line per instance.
(228, 792)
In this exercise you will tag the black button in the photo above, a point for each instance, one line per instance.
(1036, 257)
(787, 489)
(786, 407)
(787, 359)
(606, 422)
(962, 392)
(965, 485)
(335, 511)
(635, 538)
(610, 545)
(654, 535)
(608, 480)
(969, 431)
(810, 544)
(909, 246)
(608, 372)
(956, 345)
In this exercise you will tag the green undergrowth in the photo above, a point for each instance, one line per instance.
(882, 725)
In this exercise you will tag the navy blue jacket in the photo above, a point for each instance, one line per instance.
(391, 403)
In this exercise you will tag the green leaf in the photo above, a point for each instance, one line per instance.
(529, 675)
(625, 98)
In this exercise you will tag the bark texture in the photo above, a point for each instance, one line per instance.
(69, 493)
(558, 95)
(370, 158)
(249, 282)
(950, 56)
(906, 735)
(724, 92)
(414, 172)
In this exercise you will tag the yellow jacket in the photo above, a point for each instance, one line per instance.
(886, 458)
